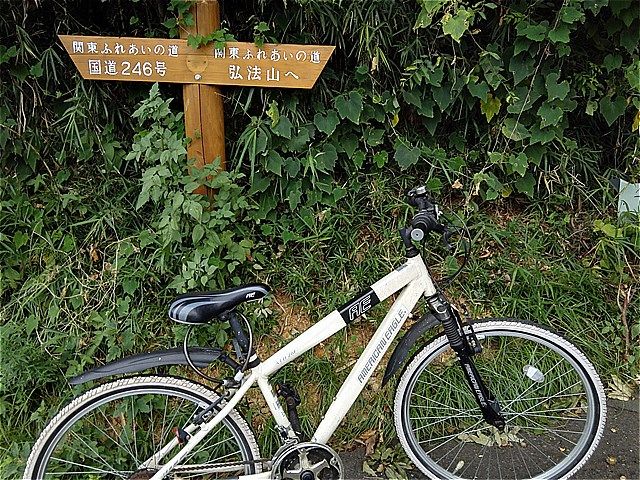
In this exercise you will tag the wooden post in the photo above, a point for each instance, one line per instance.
(203, 105)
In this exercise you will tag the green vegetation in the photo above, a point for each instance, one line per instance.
(514, 114)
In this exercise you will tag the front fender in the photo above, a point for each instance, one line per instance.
(201, 357)
(401, 352)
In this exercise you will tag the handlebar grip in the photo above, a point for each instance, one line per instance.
(425, 221)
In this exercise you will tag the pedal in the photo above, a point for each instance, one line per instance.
(182, 436)
(292, 399)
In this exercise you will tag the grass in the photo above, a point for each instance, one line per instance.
(537, 263)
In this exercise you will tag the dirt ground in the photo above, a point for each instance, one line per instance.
(616, 458)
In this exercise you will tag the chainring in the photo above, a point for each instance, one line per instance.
(307, 461)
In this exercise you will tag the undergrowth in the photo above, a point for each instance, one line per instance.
(515, 116)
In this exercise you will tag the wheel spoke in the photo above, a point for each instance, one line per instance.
(105, 432)
(447, 433)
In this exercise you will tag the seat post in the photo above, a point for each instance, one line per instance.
(241, 337)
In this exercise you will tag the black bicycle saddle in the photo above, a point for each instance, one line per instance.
(199, 308)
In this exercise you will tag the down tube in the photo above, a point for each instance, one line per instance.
(368, 361)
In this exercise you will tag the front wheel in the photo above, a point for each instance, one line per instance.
(116, 431)
(549, 393)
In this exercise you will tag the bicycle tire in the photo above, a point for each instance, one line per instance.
(550, 394)
(110, 430)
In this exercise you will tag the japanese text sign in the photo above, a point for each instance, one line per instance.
(172, 60)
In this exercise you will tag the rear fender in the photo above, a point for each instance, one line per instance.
(401, 352)
(201, 357)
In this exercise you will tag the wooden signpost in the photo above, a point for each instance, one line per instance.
(201, 71)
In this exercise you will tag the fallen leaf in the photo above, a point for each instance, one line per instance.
(620, 390)
(93, 252)
(611, 460)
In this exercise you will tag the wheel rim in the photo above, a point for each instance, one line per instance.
(550, 409)
(112, 436)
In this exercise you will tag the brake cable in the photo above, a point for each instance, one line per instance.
(467, 250)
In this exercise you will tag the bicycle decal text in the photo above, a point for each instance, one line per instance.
(359, 306)
(382, 344)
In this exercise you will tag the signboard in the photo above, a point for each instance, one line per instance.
(201, 71)
(172, 60)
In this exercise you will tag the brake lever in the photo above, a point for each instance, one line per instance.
(446, 236)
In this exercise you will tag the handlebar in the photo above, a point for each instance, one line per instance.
(426, 220)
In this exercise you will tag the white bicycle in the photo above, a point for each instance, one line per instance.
(496, 398)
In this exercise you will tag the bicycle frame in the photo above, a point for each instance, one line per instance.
(412, 278)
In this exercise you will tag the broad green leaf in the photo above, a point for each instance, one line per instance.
(300, 142)
(522, 66)
(442, 96)
(259, 183)
(294, 195)
(542, 136)
(36, 70)
(412, 97)
(591, 108)
(406, 156)
(31, 324)
(560, 34)
(630, 38)
(380, 159)
(632, 74)
(612, 62)
(549, 115)
(434, 184)
(491, 107)
(292, 167)
(496, 157)
(426, 110)
(432, 123)
(611, 110)
(428, 9)
(130, 285)
(535, 153)
(275, 162)
(571, 15)
(326, 123)
(374, 137)
(526, 184)
(455, 25)
(350, 106)
(194, 209)
(349, 143)
(434, 77)
(521, 45)
(519, 163)
(479, 90)
(555, 89)
(283, 128)
(20, 239)
(514, 130)
(273, 113)
(532, 32)
(326, 160)
(359, 158)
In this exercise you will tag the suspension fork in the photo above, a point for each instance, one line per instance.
(465, 347)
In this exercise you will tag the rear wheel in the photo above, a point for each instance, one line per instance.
(114, 431)
(550, 395)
